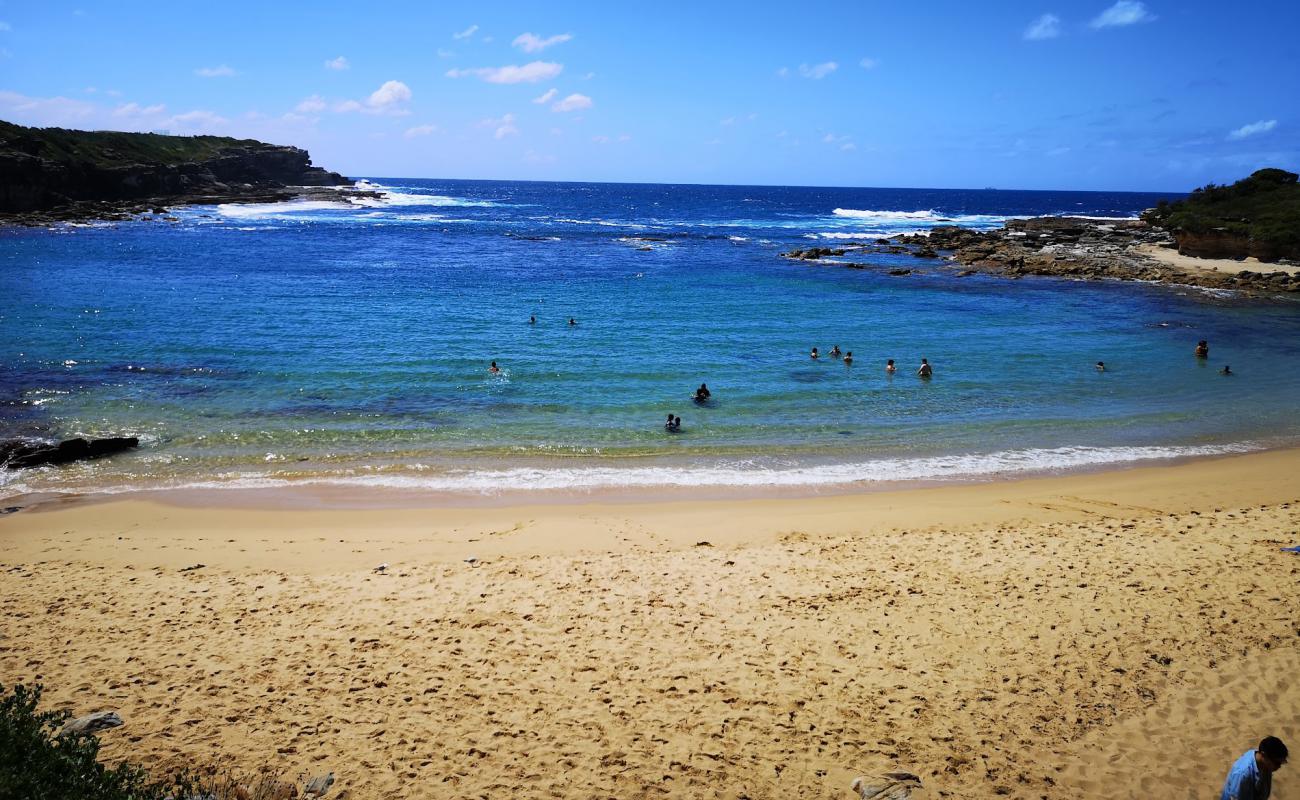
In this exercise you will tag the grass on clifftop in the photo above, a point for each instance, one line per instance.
(114, 148)
(1264, 207)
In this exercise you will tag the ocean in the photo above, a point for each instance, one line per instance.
(327, 343)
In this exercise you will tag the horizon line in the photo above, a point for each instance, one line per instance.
(766, 185)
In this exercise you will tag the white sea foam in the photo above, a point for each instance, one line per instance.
(601, 222)
(883, 215)
(861, 235)
(392, 197)
(752, 473)
(255, 210)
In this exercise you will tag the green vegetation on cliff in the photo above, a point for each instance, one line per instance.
(54, 174)
(114, 148)
(1263, 210)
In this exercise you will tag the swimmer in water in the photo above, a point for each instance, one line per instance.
(1202, 349)
(494, 369)
(1227, 370)
(669, 424)
(702, 393)
(848, 358)
(532, 320)
(835, 352)
(814, 353)
(572, 321)
(890, 369)
(925, 369)
(1101, 366)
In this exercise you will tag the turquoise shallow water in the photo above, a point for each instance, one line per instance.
(321, 342)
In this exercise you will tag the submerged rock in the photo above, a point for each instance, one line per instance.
(19, 454)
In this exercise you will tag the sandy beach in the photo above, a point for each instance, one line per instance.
(1123, 634)
(1193, 264)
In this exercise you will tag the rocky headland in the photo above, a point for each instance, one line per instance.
(1063, 247)
(50, 175)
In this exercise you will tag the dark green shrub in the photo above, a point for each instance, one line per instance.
(1265, 208)
(39, 763)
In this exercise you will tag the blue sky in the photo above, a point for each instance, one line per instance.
(1158, 95)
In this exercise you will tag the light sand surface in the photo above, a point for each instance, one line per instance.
(1125, 634)
(1173, 258)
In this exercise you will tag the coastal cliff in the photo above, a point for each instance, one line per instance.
(53, 174)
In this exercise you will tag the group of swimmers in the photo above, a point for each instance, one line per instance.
(925, 370)
(702, 394)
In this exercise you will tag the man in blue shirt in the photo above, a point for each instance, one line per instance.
(1251, 777)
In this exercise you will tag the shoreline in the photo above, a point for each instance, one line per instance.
(354, 493)
(451, 532)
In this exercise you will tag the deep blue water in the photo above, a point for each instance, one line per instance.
(317, 341)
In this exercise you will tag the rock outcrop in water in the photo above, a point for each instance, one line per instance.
(18, 454)
(52, 174)
(1070, 247)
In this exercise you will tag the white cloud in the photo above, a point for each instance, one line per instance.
(44, 111)
(1124, 12)
(531, 72)
(505, 126)
(546, 98)
(783, 72)
(869, 63)
(532, 43)
(5, 26)
(222, 71)
(387, 99)
(600, 139)
(624, 137)
(311, 105)
(420, 130)
(445, 53)
(339, 63)
(1253, 129)
(1047, 26)
(848, 146)
(574, 102)
(465, 34)
(137, 110)
(388, 95)
(589, 76)
(196, 121)
(1058, 151)
(727, 121)
(818, 71)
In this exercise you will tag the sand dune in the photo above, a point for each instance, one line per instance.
(1049, 639)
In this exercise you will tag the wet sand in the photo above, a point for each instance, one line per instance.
(1123, 634)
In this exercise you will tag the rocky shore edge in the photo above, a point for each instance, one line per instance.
(1065, 247)
(160, 207)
